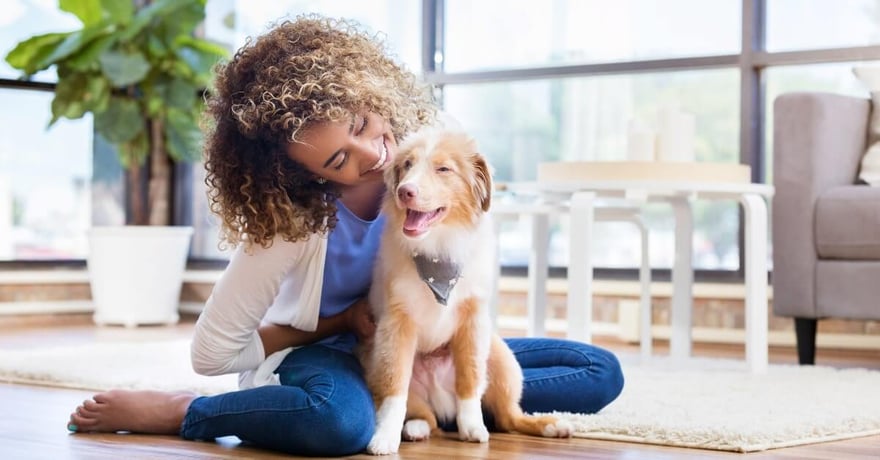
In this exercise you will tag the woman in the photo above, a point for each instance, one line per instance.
(305, 120)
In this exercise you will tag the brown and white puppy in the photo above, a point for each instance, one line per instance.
(435, 355)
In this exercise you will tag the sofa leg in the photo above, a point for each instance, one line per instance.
(805, 330)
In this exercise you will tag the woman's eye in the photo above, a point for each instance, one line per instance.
(363, 126)
(342, 162)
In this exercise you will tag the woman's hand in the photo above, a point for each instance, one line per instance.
(360, 320)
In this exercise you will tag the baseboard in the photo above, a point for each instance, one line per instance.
(699, 334)
(50, 307)
(709, 335)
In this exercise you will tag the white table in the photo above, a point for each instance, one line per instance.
(585, 198)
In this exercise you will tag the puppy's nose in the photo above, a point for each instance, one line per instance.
(407, 192)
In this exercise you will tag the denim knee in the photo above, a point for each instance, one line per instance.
(349, 432)
(612, 377)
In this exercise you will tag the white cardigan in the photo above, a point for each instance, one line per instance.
(281, 285)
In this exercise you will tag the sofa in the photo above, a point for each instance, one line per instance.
(825, 224)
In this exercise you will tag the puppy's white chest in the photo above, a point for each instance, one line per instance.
(436, 323)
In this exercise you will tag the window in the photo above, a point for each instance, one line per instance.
(821, 24)
(494, 34)
(45, 180)
(533, 81)
(522, 122)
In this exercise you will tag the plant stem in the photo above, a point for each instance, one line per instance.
(159, 199)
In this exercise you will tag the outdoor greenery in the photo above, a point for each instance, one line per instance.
(138, 67)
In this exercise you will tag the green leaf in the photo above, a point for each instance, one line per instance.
(155, 105)
(124, 68)
(27, 55)
(89, 57)
(156, 47)
(88, 11)
(74, 42)
(70, 97)
(135, 150)
(183, 135)
(204, 46)
(118, 11)
(162, 9)
(121, 122)
(186, 17)
(97, 94)
(177, 93)
(200, 54)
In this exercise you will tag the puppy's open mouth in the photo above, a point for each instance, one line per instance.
(418, 222)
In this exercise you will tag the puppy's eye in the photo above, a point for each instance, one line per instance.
(443, 169)
(407, 164)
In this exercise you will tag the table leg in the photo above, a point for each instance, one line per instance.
(580, 267)
(682, 280)
(536, 303)
(755, 212)
(645, 310)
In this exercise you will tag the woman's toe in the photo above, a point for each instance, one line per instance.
(90, 404)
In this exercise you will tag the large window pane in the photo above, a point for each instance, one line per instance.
(21, 19)
(816, 24)
(521, 33)
(521, 124)
(45, 177)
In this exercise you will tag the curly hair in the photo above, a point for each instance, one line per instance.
(301, 72)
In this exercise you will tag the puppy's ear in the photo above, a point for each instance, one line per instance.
(482, 181)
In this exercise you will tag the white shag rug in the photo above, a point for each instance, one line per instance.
(708, 404)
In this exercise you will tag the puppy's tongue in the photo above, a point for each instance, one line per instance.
(417, 221)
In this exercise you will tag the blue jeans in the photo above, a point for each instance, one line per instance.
(323, 407)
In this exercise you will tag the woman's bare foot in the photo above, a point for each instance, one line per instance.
(154, 412)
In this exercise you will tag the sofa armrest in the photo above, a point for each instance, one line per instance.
(818, 142)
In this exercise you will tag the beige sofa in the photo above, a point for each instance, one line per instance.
(826, 226)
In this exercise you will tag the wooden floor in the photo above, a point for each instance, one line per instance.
(33, 419)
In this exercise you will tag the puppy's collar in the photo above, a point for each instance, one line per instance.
(439, 274)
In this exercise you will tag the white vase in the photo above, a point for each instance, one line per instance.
(136, 273)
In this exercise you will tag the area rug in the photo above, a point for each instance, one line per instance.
(708, 404)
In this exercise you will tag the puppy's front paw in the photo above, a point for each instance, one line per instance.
(473, 433)
(470, 421)
(384, 444)
(560, 429)
(416, 430)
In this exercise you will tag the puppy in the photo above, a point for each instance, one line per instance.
(434, 355)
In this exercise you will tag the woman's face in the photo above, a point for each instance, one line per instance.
(349, 152)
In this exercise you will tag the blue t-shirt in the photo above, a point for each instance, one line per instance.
(348, 270)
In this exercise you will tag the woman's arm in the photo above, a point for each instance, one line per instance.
(355, 318)
(226, 338)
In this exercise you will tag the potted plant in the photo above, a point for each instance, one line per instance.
(139, 69)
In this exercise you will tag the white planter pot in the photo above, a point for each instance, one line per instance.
(136, 273)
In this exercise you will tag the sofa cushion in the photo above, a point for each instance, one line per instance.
(848, 223)
(869, 172)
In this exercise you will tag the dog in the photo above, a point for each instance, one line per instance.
(434, 355)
